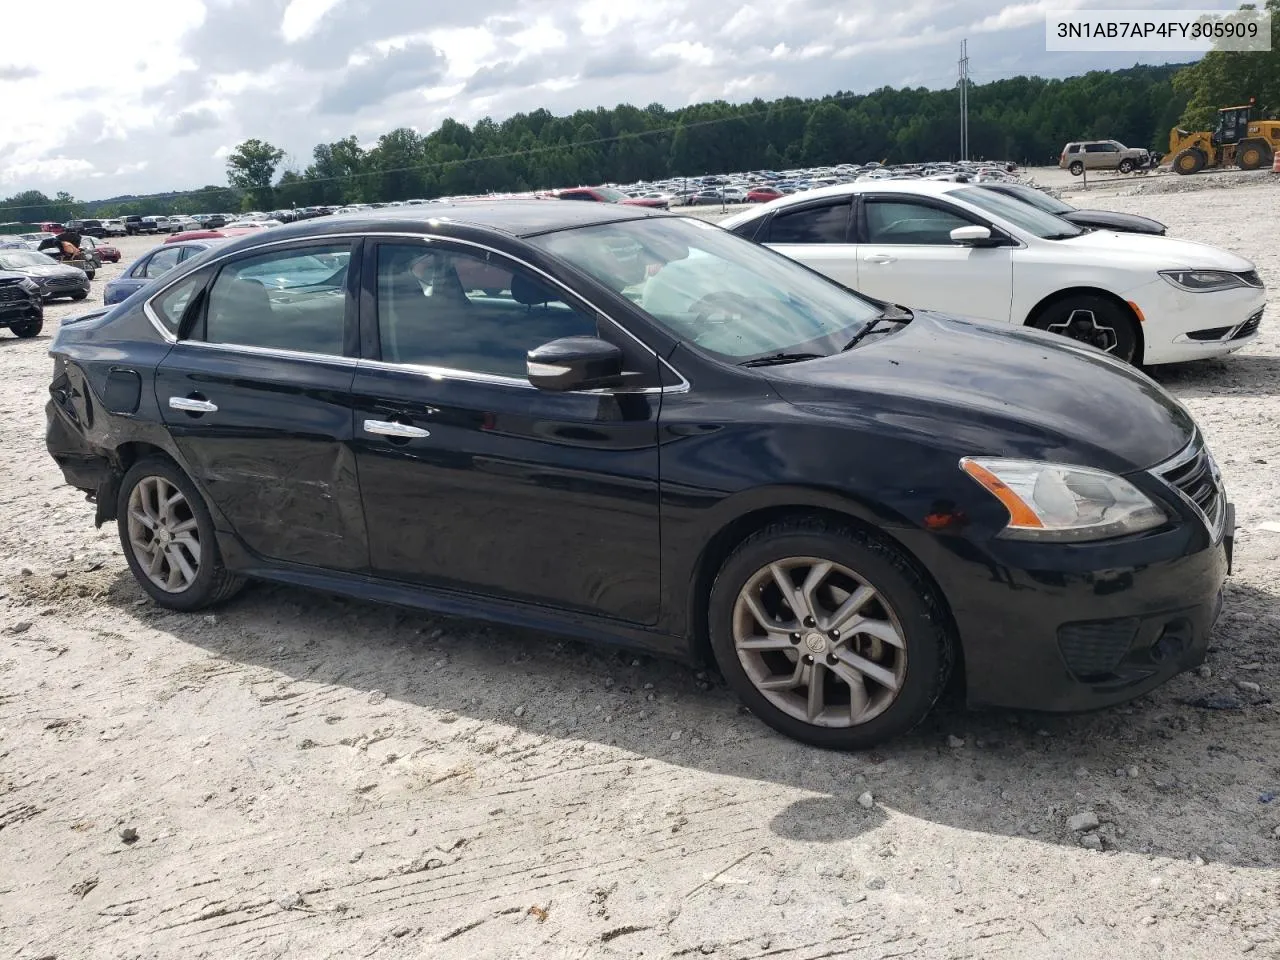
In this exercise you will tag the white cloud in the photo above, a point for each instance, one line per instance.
(302, 17)
(185, 80)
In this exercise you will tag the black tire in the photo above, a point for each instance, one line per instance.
(1126, 166)
(28, 328)
(1190, 160)
(929, 646)
(1253, 155)
(213, 584)
(1076, 168)
(79, 295)
(1067, 318)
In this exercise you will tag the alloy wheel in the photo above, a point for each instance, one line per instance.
(1082, 325)
(819, 642)
(164, 534)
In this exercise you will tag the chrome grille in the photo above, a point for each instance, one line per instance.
(1249, 327)
(1194, 476)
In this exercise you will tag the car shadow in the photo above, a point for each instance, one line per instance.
(1247, 375)
(1174, 774)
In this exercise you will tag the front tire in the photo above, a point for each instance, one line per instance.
(27, 329)
(1190, 160)
(168, 538)
(1094, 320)
(1126, 166)
(79, 295)
(828, 634)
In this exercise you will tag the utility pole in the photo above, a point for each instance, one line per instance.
(964, 99)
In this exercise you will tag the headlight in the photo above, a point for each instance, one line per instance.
(1057, 502)
(29, 285)
(1203, 281)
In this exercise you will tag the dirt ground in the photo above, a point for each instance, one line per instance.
(312, 777)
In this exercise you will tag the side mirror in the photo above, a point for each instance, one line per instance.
(575, 363)
(976, 236)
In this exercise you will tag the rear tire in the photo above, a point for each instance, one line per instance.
(876, 680)
(1076, 168)
(1094, 320)
(27, 329)
(1190, 160)
(164, 524)
(1253, 155)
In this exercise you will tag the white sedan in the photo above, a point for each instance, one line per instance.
(961, 249)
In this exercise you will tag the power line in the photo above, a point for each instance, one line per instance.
(442, 164)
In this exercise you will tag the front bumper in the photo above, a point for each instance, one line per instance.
(1174, 321)
(50, 288)
(1056, 627)
(29, 307)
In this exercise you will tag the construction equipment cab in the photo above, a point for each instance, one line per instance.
(1237, 140)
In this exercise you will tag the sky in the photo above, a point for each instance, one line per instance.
(159, 91)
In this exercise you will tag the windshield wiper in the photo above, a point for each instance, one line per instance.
(775, 359)
(891, 314)
(1063, 236)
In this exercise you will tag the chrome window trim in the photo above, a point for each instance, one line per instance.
(445, 373)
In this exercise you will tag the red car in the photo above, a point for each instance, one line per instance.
(610, 195)
(50, 227)
(763, 194)
(107, 253)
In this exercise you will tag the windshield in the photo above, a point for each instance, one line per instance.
(24, 258)
(1022, 215)
(713, 289)
(610, 194)
(1038, 199)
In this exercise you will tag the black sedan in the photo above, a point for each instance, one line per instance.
(54, 279)
(21, 307)
(1090, 219)
(625, 425)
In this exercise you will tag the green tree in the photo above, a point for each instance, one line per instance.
(250, 166)
(1228, 78)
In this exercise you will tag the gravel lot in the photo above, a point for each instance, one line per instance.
(299, 775)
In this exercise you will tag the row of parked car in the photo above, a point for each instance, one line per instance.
(835, 490)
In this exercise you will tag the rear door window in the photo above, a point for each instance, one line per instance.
(295, 300)
(161, 262)
(824, 223)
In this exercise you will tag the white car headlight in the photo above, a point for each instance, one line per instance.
(1203, 281)
(29, 285)
(1057, 502)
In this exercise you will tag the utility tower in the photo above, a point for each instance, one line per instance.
(964, 99)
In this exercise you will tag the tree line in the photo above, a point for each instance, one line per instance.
(1024, 119)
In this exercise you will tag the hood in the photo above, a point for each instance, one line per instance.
(996, 390)
(1165, 253)
(1111, 220)
(51, 270)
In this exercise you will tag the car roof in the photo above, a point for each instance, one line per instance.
(516, 217)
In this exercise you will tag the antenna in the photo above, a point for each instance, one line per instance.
(964, 99)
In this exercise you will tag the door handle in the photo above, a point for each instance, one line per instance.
(192, 405)
(389, 428)
(879, 258)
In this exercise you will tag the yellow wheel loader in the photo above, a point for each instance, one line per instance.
(1238, 140)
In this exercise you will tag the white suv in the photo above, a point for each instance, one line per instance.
(963, 249)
